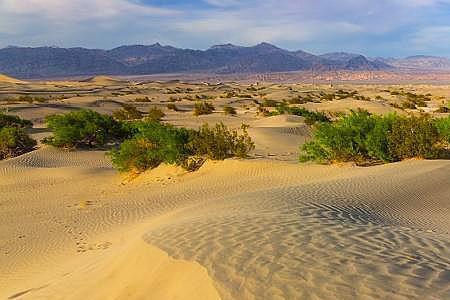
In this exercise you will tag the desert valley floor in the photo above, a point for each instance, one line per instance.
(266, 227)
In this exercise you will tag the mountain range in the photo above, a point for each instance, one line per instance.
(41, 62)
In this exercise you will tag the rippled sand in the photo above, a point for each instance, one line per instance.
(72, 228)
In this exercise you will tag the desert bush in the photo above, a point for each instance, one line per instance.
(203, 108)
(229, 110)
(143, 99)
(219, 142)
(413, 137)
(269, 103)
(152, 144)
(155, 114)
(172, 106)
(443, 109)
(14, 141)
(127, 112)
(343, 140)
(443, 126)
(83, 128)
(13, 121)
(362, 138)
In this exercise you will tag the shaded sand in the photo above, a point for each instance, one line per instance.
(258, 229)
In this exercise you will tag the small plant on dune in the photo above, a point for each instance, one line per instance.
(172, 106)
(219, 142)
(14, 141)
(229, 110)
(269, 103)
(155, 114)
(127, 112)
(83, 128)
(203, 108)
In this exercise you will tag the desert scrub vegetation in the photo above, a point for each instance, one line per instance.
(365, 138)
(83, 128)
(13, 121)
(229, 110)
(203, 108)
(154, 143)
(14, 140)
(127, 112)
(151, 144)
(173, 107)
(155, 114)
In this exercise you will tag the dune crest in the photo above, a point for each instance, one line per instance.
(8, 79)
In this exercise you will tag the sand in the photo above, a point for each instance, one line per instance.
(9, 80)
(257, 229)
(263, 228)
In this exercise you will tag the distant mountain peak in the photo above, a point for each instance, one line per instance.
(225, 46)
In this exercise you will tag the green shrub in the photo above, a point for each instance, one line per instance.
(219, 142)
(203, 108)
(83, 127)
(13, 121)
(152, 144)
(362, 138)
(229, 110)
(413, 137)
(443, 126)
(155, 114)
(127, 112)
(14, 141)
(340, 141)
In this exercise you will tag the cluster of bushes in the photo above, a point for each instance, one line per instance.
(146, 143)
(153, 143)
(362, 137)
(14, 140)
(203, 108)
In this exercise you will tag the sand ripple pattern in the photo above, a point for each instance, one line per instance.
(337, 240)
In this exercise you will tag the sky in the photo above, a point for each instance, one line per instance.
(389, 28)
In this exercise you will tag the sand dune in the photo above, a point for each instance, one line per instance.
(255, 229)
(279, 136)
(9, 80)
(263, 228)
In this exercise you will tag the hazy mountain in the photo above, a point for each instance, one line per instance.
(152, 59)
(355, 62)
(420, 62)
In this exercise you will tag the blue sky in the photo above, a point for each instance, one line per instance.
(376, 28)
